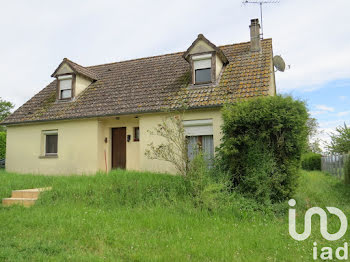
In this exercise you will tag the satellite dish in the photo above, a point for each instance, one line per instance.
(279, 63)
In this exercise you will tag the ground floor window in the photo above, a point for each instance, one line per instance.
(51, 144)
(203, 143)
(136, 134)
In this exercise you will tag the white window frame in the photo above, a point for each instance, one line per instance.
(197, 128)
(45, 134)
(64, 78)
(202, 62)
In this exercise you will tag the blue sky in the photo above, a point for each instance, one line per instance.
(329, 104)
(312, 36)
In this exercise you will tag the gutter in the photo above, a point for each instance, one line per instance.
(107, 115)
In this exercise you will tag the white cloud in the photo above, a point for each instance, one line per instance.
(343, 98)
(326, 128)
(316, 44)
(38, 35)
(325, 108)
(317, 113)
(345, 113)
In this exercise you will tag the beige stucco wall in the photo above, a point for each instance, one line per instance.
(149, 122)
(64, 69)
(201, 47)
(82, 148)
(105, 126)
(272, 90)
(77, 147)
(81, 83)
(219, 66)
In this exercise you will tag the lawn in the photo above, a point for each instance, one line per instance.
(130, 216)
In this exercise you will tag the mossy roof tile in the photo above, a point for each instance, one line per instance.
(153, 84)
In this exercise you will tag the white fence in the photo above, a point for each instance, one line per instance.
(334, 164)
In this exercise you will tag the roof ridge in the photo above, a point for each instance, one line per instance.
(70, 61)
(155, 56)
(244, 43)
(80, 69)
(136, 59)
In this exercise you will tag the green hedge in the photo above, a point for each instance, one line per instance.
(2, 145)
(262, 143)
(311, 161)
(347, 170)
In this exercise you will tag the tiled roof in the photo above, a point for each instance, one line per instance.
(153, 84)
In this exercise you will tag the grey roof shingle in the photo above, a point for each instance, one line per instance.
(152, 84)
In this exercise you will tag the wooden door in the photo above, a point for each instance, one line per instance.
(119, 147)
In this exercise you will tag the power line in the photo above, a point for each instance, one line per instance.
(260, 3)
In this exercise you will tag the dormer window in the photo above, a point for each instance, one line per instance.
(65, 86)
(72, 79)
(206, 61)
(202, 67)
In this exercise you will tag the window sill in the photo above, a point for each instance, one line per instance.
(136, 140)
(48, 156)
(203, 83)
(64, 100)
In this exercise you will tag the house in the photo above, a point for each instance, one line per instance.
(96, 118)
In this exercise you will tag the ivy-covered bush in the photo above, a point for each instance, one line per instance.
(311, 161)
(263, 139)
(2, 145)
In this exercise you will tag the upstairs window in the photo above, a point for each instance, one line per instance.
(202, 68)
(65, 87)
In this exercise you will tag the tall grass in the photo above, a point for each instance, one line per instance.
(131, 216)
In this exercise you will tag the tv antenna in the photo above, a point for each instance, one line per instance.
(260, 3)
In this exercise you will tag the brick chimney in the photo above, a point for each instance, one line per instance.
(255, 42)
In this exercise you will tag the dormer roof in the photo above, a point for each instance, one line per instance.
(201, 37)
(76, 68)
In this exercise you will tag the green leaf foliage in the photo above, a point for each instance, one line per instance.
(347, 170)
(311, 161)
(5, 110)
(340, 140)
(262, 143)
(2, 145)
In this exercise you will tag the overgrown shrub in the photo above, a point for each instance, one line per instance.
(263, 139)
(347, 170)
(311, 161)
(207, 192)
(2, 145)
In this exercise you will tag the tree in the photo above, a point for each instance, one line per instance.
(314, 143)
(173, 149)
(5, 110)
(340, 140)
(314, 146)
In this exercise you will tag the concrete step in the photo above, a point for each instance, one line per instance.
(24, 197)
(28, 193)
(26, 202)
